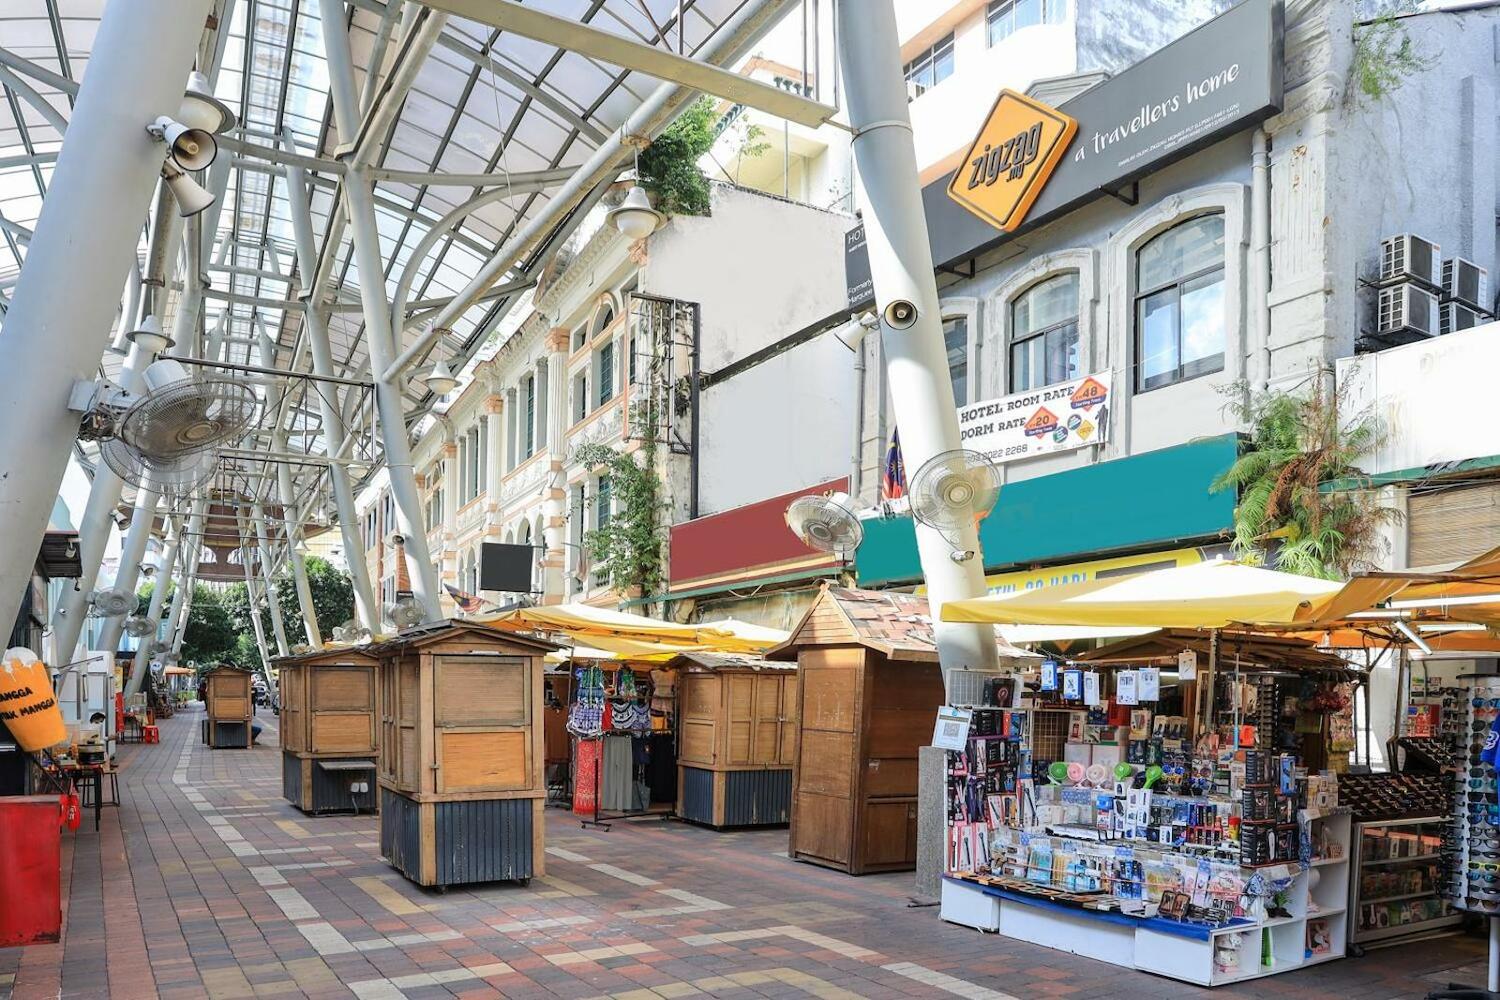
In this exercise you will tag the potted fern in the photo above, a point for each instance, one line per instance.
(1293, 482)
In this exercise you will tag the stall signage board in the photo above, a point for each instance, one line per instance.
(1060, 417)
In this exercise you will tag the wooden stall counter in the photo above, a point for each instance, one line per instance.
(229, 709)
(328, 730)
(461, 752)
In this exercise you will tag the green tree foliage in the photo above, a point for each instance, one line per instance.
(333, 602)
(669, 166)
(210, 636)
(1299, 446)
(1384, 55)
(628, 548)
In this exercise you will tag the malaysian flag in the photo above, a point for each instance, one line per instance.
(893, 482)
(467, 603)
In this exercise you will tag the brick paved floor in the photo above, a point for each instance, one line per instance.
(205, 883)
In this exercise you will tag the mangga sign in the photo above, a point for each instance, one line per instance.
(1019, 146)
(1083, 572)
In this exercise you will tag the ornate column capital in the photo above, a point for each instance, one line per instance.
(557, 340)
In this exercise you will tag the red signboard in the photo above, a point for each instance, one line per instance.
(744, 543)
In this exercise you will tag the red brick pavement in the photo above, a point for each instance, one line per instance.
(212, 886)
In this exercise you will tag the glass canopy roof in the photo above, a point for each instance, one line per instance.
(482, 102)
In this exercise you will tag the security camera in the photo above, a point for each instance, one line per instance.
(900, 315)
(189, 148)
(961, 555)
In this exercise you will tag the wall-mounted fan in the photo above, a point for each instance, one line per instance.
(111, 602)
(139, 626)
(405, 611)
(826, 523)
(952, 491)
(351, 631)
(178, 414)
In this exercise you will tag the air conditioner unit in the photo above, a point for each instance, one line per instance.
(1407, 309)
(1408, 257)
(1465, 282)
(1455, 316)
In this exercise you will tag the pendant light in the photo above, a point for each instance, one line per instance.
(440, 379)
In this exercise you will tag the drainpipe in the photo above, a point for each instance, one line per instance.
(911, 324)
(857, 457)
(1260, 257)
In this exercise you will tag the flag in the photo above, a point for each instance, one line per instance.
(893, 482)
(467, 603)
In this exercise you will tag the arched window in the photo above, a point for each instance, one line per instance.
(1179, 303)
(604, 316)
(1044, 333)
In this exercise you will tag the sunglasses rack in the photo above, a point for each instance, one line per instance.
(1472, 844)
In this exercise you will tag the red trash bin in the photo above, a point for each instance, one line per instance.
(30, 870)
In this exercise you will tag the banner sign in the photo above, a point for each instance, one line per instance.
(1218, 79)
(1058, 417)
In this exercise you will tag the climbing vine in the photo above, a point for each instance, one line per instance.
(1384, 56)
(669, 166)
(628, 548)
(1299, 449)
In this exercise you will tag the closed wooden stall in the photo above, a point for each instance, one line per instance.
(737, 725)
(868, 690)
(229, 708)
(461, 751)
(328, 729)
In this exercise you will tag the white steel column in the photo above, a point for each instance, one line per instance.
(189, 552)
(315, 321)
(131, 554)
(93, 528)
(278, 626)
(359, 199)
(62, 310)
(165, 569)
(901, 266)
(255, 625)
(292, 523)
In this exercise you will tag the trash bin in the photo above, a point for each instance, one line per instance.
(30, 869)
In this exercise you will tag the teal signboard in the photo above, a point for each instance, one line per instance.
(1152, 499)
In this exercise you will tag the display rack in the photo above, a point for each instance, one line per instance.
(1397, 893)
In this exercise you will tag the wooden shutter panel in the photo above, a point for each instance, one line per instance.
(1446, 526)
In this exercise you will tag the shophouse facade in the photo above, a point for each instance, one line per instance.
(617, 324)
(1244, 259)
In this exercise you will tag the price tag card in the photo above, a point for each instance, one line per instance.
(1187, 665)
(952, 729)
(1127, 689)
(1150, 684)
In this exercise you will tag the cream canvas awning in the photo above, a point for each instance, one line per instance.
(1208, 595)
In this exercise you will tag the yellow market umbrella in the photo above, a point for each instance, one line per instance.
(579, 653)
(1206, 595)
(750, 632)
(637, 636)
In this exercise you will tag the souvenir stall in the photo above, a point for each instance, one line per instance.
(328, 726)
(868, 685)
(623, 753)
(460, 753)
(228, 710)
(737, 719)
(1142, 806)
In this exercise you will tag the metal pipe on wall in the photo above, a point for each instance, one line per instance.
(901, 268)
(127, 576)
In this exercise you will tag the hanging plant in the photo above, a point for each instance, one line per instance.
(1298, 447)
(668, 168)
(1384, 55)
(628, 548)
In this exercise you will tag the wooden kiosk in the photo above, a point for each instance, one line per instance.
(229, 708)
(869, 687)
(328, 730)
(461, 752)
(737, 726)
